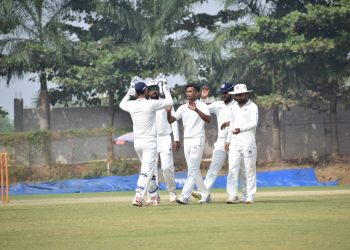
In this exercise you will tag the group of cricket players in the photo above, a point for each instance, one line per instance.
(150, 105)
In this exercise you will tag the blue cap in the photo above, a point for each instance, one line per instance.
(140, 86)
(226, 87)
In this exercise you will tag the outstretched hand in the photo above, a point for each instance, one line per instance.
(205, 92)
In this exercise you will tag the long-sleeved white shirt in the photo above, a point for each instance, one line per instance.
(143, 113)
(223, 114)
(193, 124)
(163, 127)
(246, 119)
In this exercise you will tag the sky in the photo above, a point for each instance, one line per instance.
(19, 88)
(28, 90)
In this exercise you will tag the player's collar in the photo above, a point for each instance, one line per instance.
(196, 101)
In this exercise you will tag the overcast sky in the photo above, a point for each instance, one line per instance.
(28, 90)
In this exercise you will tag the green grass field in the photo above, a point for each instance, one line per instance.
(281, 218)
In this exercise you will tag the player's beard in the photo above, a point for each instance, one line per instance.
(242, 101)
(154, 96)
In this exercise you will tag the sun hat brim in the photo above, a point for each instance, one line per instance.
(239, 92)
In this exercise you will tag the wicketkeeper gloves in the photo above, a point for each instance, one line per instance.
(134, 80)
(162, 83)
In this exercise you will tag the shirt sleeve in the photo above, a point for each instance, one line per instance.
(123, 104)
(168, 99)
(253, 119)
(230, 128)
(212, 108)
(178, 113)
(175, 128)
(160, 104)
(204, 108)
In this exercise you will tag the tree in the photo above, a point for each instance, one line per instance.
(108, 56)
(124, 40)
(5, 123)
(300, 51)
(3, 113)
(32, 40)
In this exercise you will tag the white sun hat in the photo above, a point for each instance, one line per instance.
(240, 89)
(152, 83)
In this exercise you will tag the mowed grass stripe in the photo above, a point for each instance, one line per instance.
(127, 197)
(273, 222)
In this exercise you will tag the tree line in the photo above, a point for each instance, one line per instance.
(290, 52)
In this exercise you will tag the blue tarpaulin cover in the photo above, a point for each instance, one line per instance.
(278, 178)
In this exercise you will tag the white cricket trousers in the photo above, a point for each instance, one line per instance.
(248, 156)
(217, 161)
(146, 150)
(165, 151)
(193, 149)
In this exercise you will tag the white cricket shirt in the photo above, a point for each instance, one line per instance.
(223, 114)
(163, 127)
(192, 123)
(143, 114)
(246, 119)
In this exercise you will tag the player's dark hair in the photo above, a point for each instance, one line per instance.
(140, 92)
(193, 85)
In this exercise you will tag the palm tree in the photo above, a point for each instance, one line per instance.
(33, 40)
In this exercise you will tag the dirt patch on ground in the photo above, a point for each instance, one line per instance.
(332, 172)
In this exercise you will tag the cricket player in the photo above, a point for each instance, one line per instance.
(165, 144)
(241, 144)
(143, 113)
(222, 109)
(194, 115)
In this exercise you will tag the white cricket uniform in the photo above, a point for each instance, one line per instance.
(165, 147)
(223, 114)
(243, 147)
(143, 114)
(194, 142)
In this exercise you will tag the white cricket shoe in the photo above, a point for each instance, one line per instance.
(155, 201)
(205, 199)
(137, 201)
(232, 200)
(183, 200)
(243, 199)
(172, 196)
(249, 200)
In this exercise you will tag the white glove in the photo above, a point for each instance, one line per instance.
(165, 87)
(134, 80)
(131, 91)
(160, 79)
(162, 83)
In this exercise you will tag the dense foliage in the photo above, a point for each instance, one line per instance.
(290, 52)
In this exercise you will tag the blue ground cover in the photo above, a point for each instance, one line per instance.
(278, 178)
